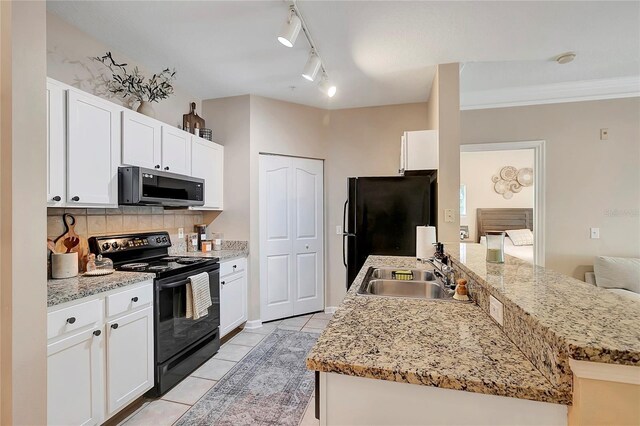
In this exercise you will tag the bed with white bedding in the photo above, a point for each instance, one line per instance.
(508, 220)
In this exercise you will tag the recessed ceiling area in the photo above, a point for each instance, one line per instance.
(376, 53)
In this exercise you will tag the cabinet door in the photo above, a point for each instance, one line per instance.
(75, 381)
(176, 150)
(56, 105)
(233, 302)
(141, 140)
(93, 150)
(421, 150)
(207, 162)
(129, 358)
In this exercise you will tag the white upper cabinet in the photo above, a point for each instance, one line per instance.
(419, 150)
(176, 150)
(56, 142)
(141, 140)
(93, 150)
(207, 162)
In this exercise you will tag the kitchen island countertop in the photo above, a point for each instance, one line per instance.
(444, 344)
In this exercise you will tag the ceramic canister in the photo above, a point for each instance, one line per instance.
(64, 265)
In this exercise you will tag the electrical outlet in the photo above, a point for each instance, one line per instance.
(604, 134)
(496, 310)
(339, 230)
(180, 232)
(448, 215)
(595, 233)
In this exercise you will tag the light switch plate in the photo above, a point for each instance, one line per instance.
(496, 310)
(180, 232)
(339, 230)
(604, 134)
(448, 215)
(595, 233)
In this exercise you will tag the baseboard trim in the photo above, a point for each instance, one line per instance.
(330, 309)
(252, 325)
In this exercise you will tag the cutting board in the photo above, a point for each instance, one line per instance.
(83, 246)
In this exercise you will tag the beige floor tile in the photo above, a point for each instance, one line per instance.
(231, 352)
(317, 323)
(213, 369)
(306, 329)
(126, 419)
(298, 321)
(266, 328)
(309, 418)
(189, 391)
(322, 316)
(158, 413)
(247, 339)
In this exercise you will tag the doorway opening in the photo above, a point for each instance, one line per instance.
(502, 189)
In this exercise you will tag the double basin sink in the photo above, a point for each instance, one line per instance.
(398, 282)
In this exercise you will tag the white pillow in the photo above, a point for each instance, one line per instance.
(521, 237)
(618, 272)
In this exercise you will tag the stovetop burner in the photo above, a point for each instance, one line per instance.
(170, 258)
(134, 266)
(190, 260)
(158, 268)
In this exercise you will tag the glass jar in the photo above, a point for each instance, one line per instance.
(103, 263)
(495, 246)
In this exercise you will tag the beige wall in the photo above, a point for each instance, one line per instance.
(68, 60)
(444, 106)
(476, 171)
(22, 214)
(589, 182)
(360, 142)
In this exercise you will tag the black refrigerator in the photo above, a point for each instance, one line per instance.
(381, 214)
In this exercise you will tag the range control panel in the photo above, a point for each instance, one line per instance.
(120, 243)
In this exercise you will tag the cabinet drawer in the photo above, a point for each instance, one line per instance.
(129, 300)
(73, 318)
(232, 266)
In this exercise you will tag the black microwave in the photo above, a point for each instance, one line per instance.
(147, 187)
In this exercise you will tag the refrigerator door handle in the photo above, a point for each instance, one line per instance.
(345, 233)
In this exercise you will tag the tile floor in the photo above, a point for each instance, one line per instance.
(168, 409)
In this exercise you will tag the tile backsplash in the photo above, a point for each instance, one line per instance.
(124, 219)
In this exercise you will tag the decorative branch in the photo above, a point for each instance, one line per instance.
(133, 84)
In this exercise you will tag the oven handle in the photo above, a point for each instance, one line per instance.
(174, 285)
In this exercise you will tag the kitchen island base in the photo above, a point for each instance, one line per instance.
(362, 401)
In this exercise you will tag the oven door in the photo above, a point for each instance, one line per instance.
(174, 332)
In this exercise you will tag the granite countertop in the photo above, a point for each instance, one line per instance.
(221, 254)
(68, 289)
(592, 324)
(435, 343)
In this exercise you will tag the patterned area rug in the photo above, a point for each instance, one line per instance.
(270, 386)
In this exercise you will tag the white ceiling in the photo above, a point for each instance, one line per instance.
(376, 52)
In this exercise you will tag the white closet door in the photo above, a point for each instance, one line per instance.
(308, 231)
(291, 236)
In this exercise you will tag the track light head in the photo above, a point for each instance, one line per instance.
(327, 88)
(290, 30)
(312, 67)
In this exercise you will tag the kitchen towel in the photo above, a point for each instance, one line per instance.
(425, 240)
(198, 296)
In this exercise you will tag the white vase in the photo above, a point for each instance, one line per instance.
(146, 109)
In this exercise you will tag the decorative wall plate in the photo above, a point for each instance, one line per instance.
(495, 178)
(501, 186)
(508, 173)
(515, 186)
(508, 195)
(525, 176)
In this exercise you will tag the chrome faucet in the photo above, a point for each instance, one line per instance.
(442, 270)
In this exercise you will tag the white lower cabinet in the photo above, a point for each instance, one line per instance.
(233, 295)
(75, 379)
(129, 358)
(120, 347)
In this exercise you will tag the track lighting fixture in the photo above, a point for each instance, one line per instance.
(312, 67)
(290, 29)
(326, 87)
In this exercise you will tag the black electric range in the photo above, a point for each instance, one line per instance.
(181, 344)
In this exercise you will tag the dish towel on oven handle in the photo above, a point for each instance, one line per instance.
(198, 296)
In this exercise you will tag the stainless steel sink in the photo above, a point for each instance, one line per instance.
(418, 284)
(390, 274)
(398, 288)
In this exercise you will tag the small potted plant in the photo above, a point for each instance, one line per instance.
(137, 86)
